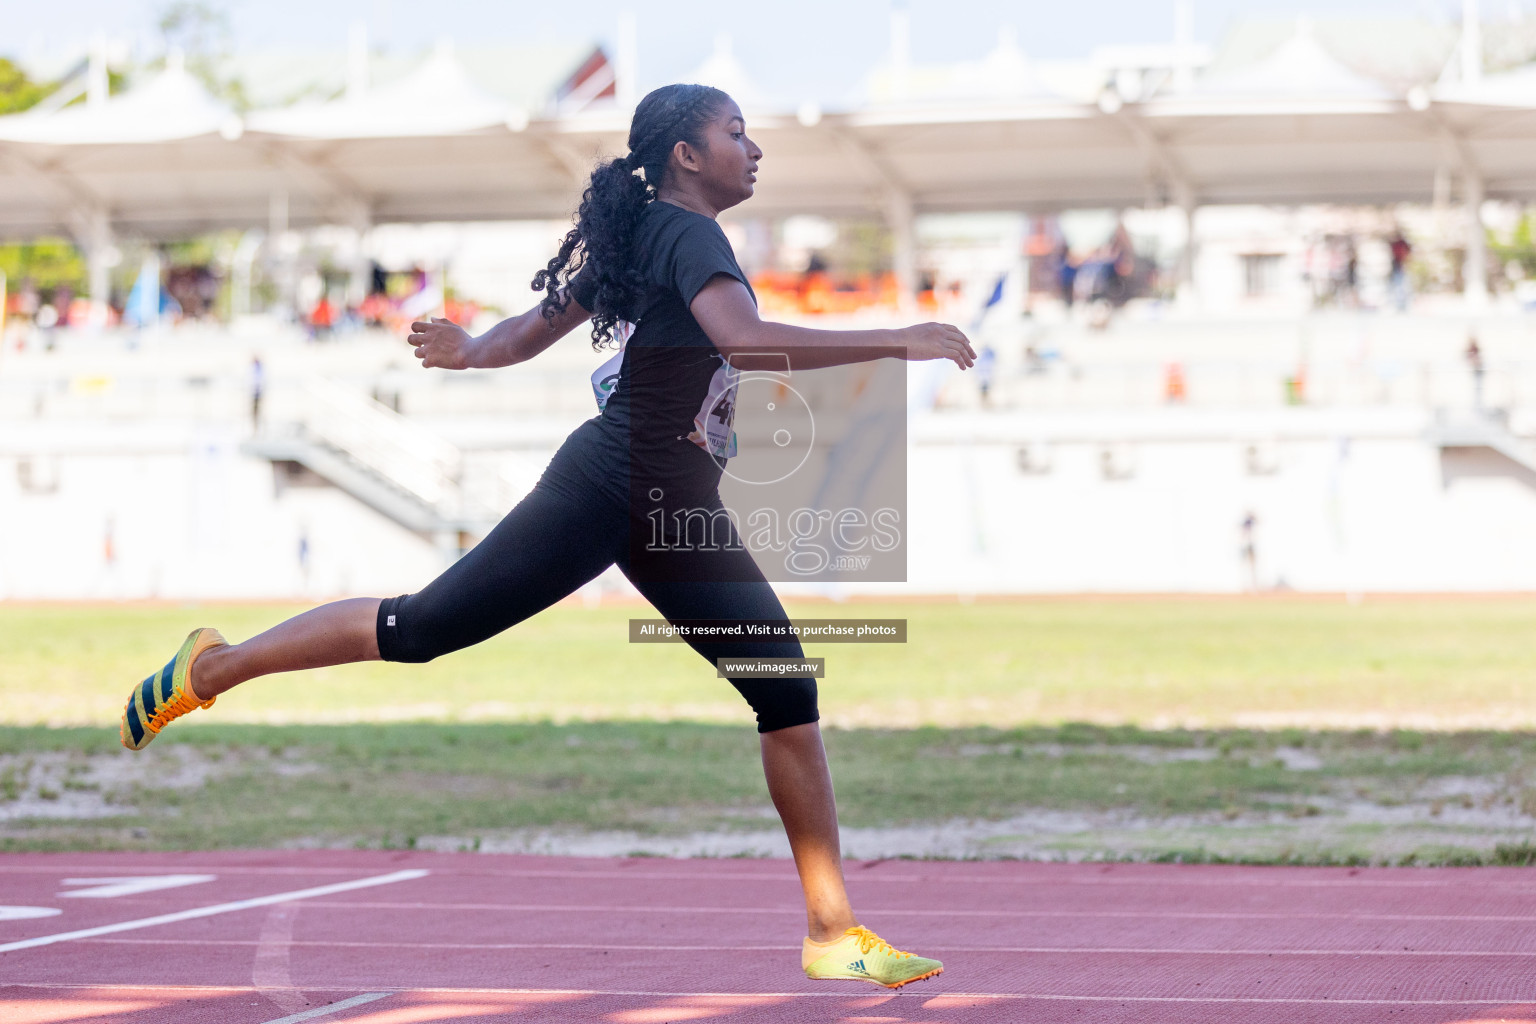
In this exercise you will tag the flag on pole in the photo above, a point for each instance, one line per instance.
(994, 299)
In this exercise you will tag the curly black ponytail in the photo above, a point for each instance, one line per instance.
(614, 199)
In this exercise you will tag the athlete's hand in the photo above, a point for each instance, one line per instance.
(937, 341)
(442, 343)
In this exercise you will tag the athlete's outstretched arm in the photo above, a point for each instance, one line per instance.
(516, 339)
(724, 308)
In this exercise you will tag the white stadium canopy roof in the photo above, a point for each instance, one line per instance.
(1294, 126)
(169, 107)
(1300, 67)
(436, 99)
(161, 157)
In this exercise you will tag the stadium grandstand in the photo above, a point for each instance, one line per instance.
(1252, 317)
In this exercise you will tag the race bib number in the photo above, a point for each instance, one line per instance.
(714, 423)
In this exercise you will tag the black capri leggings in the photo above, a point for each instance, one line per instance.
(561, 536)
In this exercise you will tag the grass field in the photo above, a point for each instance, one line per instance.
(640, 787)
(1297, 730)
(1422, 664)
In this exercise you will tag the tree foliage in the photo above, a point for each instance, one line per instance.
(1517, 245)
(200, 31)
(47, 262)
(197, 28)
(17, 91)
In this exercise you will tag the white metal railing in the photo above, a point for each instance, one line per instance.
(383, 441)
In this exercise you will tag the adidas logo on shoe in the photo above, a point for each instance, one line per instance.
(872, 960)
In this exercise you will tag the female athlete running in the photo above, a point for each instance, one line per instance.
(645, 251)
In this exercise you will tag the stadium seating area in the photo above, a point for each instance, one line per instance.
(134, 461)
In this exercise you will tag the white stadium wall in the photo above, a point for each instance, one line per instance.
(1343, 503)
(189, 518)
(1380, 513)
(1081, 476)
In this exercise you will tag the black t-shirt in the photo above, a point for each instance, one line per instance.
(669, 361)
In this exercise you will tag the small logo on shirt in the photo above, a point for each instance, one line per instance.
(389, 620)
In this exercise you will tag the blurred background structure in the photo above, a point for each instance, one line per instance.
(1254, 308)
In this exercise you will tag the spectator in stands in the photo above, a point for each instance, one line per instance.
(1338, 270)
(1249, 551)
(986, 366)
(25, 301)
(258, 384)
(1474, 357)
(375, 309)
(322, 318)
(1351, 274)
(1175, 389)
(1120, 255)
(63, 308)
(927, 290)
(1401, 250)
(304, 557)
(1066, 273)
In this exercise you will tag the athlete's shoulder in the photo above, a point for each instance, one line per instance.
(663, 208)
(680, 222)
(675, 238)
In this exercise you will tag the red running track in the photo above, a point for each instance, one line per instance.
(475, 937)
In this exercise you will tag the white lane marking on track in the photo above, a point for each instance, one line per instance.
(1025, 878)
(27, 913)
(128, 885)
(1074, 950)
(322, 1011)
(1485, 884)
(210, 911)
(1213, 915)
(227, 869)
(270, 967)
(930, 994)
(846, 994)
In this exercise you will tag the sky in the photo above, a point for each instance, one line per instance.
(801, 49)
